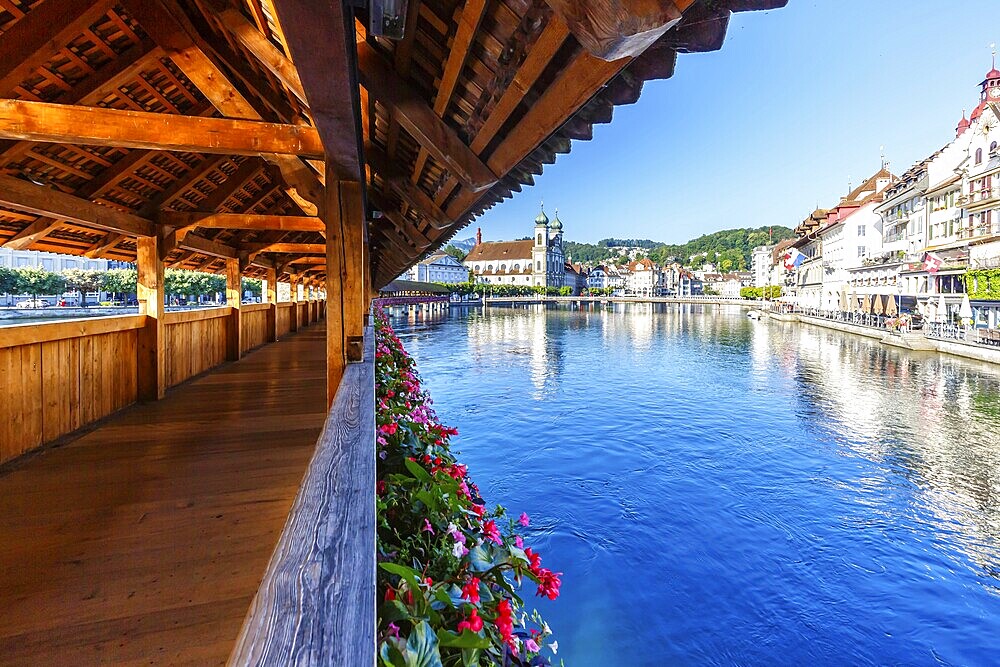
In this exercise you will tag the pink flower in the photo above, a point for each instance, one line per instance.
(531, 645)
(428, 527)
(492, 533)
(393, 630)
(524, 519)
(518, 542)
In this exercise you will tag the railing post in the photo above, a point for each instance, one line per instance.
(333, 214)
(234, 293)
(150, 367)
(293, 296)
(272, 300)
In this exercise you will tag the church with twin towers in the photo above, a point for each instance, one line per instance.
(538, 261)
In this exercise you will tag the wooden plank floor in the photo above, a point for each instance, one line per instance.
(144, 541)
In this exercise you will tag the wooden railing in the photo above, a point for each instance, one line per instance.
(283, 318)
(316, 603)
(57, 377)
(253, 325)
(194, 342)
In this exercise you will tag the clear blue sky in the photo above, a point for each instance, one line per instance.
(796, 101)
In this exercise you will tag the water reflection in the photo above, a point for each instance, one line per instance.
(719, 490)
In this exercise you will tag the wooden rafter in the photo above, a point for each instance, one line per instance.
(43, 201)
(286, 223)
(320, 41)
(39, 121)
(41, 34)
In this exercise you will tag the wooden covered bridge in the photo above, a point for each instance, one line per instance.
(166, 495)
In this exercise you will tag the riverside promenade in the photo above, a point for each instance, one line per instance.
(915, 341)
(528, 300)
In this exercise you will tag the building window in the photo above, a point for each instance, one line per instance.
(979, 156)
(861, 251)
(861, 230)
(538, 266)
(539, 239)
(993, 146)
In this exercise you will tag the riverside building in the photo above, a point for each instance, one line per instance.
(536, 262)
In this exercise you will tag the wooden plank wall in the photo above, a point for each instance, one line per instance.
(283, 318)
(253, 326)
(64, 380)
(303, 307)
(316, 603)
(195, 341)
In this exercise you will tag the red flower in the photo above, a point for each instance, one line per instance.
(380, 487)
(390, 594)
(548, 584)
(473, 622)
(492, 533)
(389, 429)
(505, 622)
(470, 591)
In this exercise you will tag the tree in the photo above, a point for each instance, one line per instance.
(119, 282)
(252, 285)
(457, 253)
(82, 281)
(8, 280)
(35, 280)
(565, 291)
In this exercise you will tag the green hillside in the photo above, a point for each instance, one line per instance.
(729, 249)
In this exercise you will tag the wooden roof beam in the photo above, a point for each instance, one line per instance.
(104, 245)
(169, 27)
(37, 230)
(320, 40)
(41, 34)
(286, 248)
(613, 29)
(285, 223)
(40, 200)
(95, 126)
(411, 195)
(420, 120)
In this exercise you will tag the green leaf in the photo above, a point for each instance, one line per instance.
(484, 557)
(390, 655)
(408, 575)
(470, 657)
(392, 610)
(422, 647)
(417, 470)
(468, 639)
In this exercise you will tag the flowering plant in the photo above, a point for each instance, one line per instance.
(449, 567)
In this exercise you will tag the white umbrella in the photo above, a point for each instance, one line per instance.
(965, 312)
(942, 309)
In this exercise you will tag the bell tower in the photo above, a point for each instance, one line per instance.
(540, 251)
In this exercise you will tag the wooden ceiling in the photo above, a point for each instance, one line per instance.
(206, 122)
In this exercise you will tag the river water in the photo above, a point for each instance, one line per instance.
(718, 490)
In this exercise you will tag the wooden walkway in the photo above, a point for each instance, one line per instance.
(144, 541)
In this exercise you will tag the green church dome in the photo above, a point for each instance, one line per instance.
(542, 219)
(557, 223)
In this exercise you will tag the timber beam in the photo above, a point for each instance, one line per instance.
(40, 200)
(285, 223)
(96, 126)
(419, 119)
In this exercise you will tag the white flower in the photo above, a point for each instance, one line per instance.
(555, 647)
(458, 550)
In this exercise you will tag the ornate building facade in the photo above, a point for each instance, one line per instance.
(537, 262)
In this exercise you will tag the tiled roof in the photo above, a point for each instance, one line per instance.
(497, 250)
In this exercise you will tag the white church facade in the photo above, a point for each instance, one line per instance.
(536, 262)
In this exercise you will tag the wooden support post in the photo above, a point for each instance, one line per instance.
(234, 294)
(151, 367)
(293, 296)
(272, 302)
(353, 224)
(366, 279)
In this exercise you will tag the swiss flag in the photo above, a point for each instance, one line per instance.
(932, 263)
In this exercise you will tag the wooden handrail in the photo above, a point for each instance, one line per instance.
(316, 603)
(254, 307)
(29, 334)
(285, 304)
(180, 317)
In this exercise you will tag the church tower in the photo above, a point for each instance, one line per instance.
(540, 251)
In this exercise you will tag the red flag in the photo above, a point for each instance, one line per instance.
(932, 263)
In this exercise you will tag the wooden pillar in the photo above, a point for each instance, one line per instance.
(366, 279)
(344, 217)
(293, 295)
(272, 305)
(151, 366)
(234, 298)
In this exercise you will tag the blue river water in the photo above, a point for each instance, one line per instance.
(723, 491)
